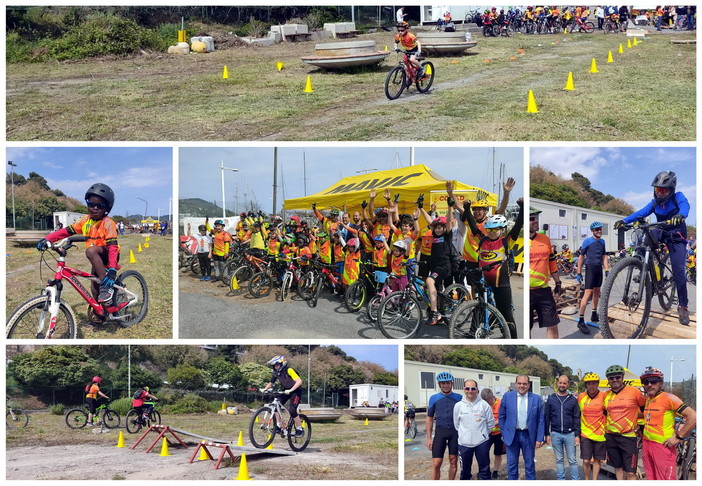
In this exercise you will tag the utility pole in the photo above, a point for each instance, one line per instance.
(12, 188)
(275, 181)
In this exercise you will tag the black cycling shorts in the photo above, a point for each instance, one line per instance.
(296, 396)
(442, 438)
(499, 445)
(542, 302)
(622, 452)
(593, 276)
(592, 449)
(409, 414)
(92, 404)
(439, 274)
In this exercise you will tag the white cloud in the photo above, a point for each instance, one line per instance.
(139, 177)
(566, 160)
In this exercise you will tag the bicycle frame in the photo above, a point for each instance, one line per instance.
(653, 262)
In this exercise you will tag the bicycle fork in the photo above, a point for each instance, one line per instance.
(53, 310)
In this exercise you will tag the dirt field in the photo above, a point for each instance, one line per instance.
(347, 449)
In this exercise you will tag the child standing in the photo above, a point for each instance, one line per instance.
(204, 246)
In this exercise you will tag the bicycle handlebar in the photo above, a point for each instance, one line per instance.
(638, 224)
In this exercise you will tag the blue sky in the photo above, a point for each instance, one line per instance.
(599, 357)
(384, 355)
(200, 176)
(624, 172)
(146, 172)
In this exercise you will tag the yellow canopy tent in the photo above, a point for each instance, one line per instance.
(150, 221)
(408, 182)
(629, 379)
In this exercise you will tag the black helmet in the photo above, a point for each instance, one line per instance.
(402, 25)
(102, 191)
(666, 179)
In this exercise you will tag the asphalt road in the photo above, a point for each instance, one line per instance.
(207, 312)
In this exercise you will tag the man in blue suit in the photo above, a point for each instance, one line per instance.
(521, 419)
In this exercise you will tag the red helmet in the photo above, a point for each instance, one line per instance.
(97, 379)
(493, 9)
(650, 372)
(353, 242)
(437, 221)
(242, 215)
(295, 218)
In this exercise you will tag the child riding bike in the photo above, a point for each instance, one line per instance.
(101, 246)
(409, 43)
(293, 389)
(140, 396)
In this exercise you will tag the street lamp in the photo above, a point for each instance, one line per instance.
(12, 188)
(671, 370)
(224, 200)
(146, 209)
(159, 214)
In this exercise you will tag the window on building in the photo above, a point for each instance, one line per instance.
(480, 376)
(583, 216)
(497, 377)
(558, 232)
(561, 213)
(605, 229)
(427, 380)
(458, 383)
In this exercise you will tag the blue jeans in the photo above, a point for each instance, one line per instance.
(521, 442)
(482, 454)
(659, 22)
(565, 443)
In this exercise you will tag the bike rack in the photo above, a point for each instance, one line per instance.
(162, 429)
(226, 449)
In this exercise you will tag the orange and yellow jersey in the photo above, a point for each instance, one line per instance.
(380, 257)
(273, 248)
(304, 252)
(100, 233)
(352, 264)
(471, 242)
(592, 416)
(407, 40)
(93, 391)
(529, 15)
(242, 234)
(578, 12)
(425, 242)
(338, 253)
(410, 235)
(586, 13)
(495, 413)
(659, 416)
(555, 12)
(567, 15)
(330, 226)
(397, 266)
(623, 410)
(366, 241)
(382, 229)
(542, 261)
(325, 252)
(220, 243)
(492, 251)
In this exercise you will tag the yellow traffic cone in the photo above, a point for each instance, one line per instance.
(148, 238)
(386, 48)
(224, 405)
(593, 66)
(308, 85)
(628, 44)
(131, 257)
(146, 244)
(366, 422)
(621, 49)
(203, 455)
(635, 42)
(569, 83)
(279, 66)
(120, 439)
(225, 73)
(609, 57)
(531, 103)
(427, 69)
(256, 421)
(140, 248)
(164, 448)
(270, 446)
(235, 286)
(243, 470)
(240, 440)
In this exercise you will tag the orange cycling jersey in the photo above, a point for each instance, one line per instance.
(351, 266)
(220, 243)
(93, 392)
(380, 258)
(408, 40)
(325, 252)
(397, 266)
(659, 416)
(623, 410)
(382, 229)
(592, 417)
(542, 261)
(99, 233)
(495, 413)
(471, 242)
(427, 239)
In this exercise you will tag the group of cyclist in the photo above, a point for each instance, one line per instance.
(613, 421)
(549, 19)
(444, 248)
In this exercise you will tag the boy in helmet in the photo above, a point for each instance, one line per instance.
(593, 254)
(410, 44)
(220, 246)
(671, 206)
(91, 398)
(292, 383)
(102, 249)
(140, 396)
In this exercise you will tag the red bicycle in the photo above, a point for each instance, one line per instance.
(405, 75)
(47, 316)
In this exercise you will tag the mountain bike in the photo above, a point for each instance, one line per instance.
(385, 282)
(625, 301)
(357, 294)
(48, 316)
(267, 421)
(15, 419)
(77, 418)
(687, 456)
(611, 25)
(582, 26)
(480, 318)
(565, 267)
(261, 283)
(322, 275)
(403, 76)
(400, 313)
(238, 279)
(136, 420)
(411, 429)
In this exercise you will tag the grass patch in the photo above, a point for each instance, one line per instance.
(471, 100)
(154, 263)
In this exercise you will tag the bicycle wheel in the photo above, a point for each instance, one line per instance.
(689, 464)
(395, 83)
(135, 283)
(262, 428)
(17, 419)
(305, 286)
(666, 286)
(588, 27)
(110, 419)
(298, 444)
(374, 307)
(399, 316)
(76, 418)
(427, 80)
(355, 296)
(286, 286)
(238, 281)
(452, 296)
(473, 320)
(31, 320)
(155, 417)
(317, 285)
(195, 265)
(413, 429)
(260, 284)
(624, 309)
(608, 29)
(133, 421)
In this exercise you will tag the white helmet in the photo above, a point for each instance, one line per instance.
(401, 244)
(496, 221)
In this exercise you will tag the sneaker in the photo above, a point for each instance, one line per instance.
(683, 315)
(90, 424)
(207, 278)
(434, 318)
(203, 278)
(494, 475)
(582, 327)
(106, 295)
(299, 433)
(594, 317)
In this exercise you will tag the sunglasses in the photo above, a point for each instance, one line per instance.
(615, 377)
(96, 205)
(493, 230)
(597, 229)
(470, 388)
(402, 30)
(652, 381)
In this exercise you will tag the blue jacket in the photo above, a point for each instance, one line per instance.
(562, 416)
(678, 204)
(507, 417)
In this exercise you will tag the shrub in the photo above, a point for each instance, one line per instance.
(17, 49)
(57, 409)
(255, 28)
(190, 403)
(122, 405)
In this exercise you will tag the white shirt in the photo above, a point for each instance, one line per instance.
(522, 410)
(400, 15)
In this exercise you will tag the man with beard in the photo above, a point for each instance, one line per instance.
(542, 267)
(562, 427)
(593, 449)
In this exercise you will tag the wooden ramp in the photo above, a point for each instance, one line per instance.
(661, 325)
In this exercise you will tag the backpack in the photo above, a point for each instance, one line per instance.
(87, 387)
(137, 394)
(509, 254)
